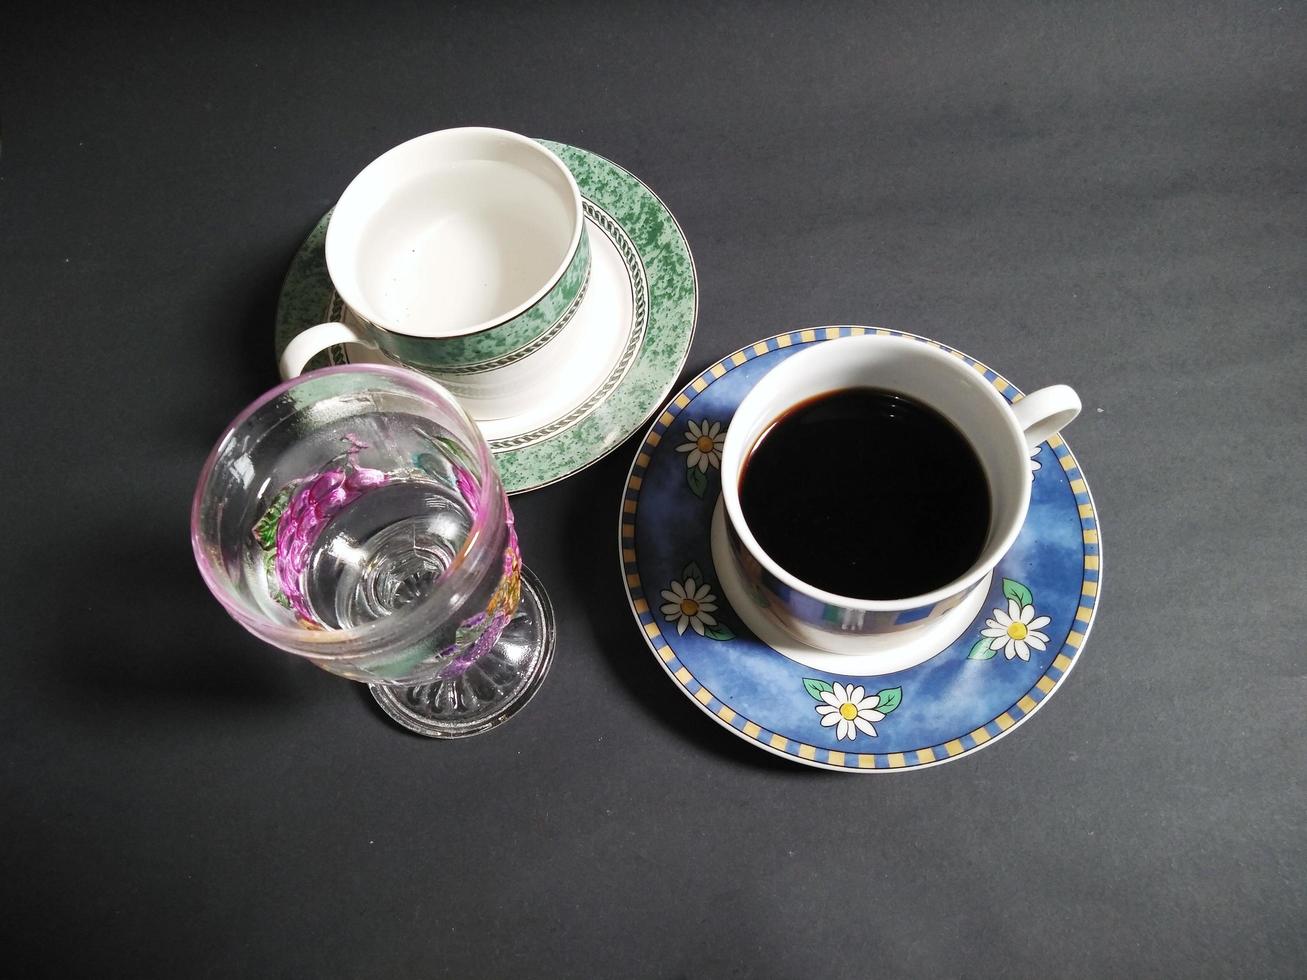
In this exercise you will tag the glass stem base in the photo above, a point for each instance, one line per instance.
(492, 689)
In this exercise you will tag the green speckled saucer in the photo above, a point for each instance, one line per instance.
(642, 278)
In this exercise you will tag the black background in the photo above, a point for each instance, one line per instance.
(1106, 195)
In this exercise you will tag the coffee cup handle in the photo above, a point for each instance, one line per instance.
(311, 342)
(1044, 412)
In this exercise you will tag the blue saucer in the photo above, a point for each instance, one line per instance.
(972, 691)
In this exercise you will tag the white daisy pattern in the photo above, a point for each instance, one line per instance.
(703, 442)
(849, 710)
(1035, 466)
(1016, 631)
(689, 604)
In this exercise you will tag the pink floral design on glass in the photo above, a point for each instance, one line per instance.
(311, 506)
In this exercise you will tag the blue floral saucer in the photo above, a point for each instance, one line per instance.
(987, 676)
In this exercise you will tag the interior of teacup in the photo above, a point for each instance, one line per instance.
(454, 232)
(923, 372)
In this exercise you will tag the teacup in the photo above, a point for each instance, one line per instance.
(463, 254)
(1001, 434)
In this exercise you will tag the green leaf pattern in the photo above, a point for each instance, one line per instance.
(698, 481)
(889, 699)
(815, 687)
(265, 533)
(1015, 590)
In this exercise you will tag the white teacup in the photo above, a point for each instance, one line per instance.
(1002, 436)
(463, 254)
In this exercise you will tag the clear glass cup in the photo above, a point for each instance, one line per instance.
(354, 516)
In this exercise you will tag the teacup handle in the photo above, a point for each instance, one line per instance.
(1044, 412)
(311, 342)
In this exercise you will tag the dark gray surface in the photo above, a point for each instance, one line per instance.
(1110, 197)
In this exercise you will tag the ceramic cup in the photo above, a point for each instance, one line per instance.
(463, 254)
(1003, 436)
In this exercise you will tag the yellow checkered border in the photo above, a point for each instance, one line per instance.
(813, 755)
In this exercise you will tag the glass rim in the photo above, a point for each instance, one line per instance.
(375, 636)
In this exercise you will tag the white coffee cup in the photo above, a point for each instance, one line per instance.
(1001, 434)
(462, 254)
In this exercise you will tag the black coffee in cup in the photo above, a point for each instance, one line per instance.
(867, 493)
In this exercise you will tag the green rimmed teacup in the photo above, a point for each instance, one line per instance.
(463, 254)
